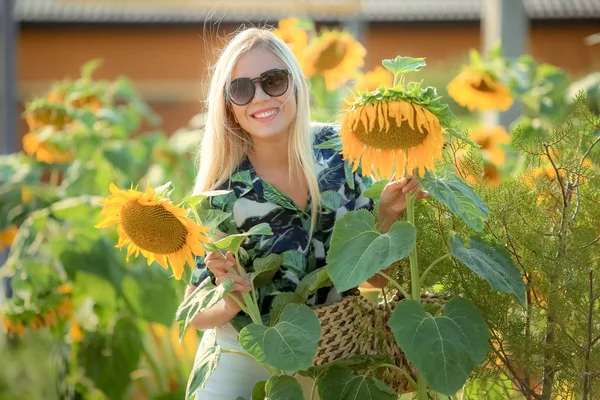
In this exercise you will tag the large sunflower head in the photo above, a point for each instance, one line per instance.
(336, 55)
(479, 90)
(491, 140)
(398, 129)
(151, 224)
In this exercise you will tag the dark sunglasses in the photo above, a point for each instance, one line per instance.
(273, 82)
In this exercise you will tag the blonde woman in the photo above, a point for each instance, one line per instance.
(259, 143)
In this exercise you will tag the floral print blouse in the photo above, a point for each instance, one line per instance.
(253, 201)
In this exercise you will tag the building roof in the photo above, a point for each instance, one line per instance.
(200, 11)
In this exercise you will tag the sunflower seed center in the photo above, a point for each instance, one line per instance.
(153, 228)
(482, 86)
(331, 56)
(397, 137)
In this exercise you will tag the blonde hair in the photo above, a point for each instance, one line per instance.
(224, 144)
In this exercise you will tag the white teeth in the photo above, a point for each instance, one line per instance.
(266, 114)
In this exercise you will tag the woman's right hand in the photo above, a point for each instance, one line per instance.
(220, 265)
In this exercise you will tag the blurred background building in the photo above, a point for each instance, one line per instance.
(165, 47)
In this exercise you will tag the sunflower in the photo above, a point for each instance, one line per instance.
(336, 55)
(478, 90)
(60, 310)
(154, 226)
(490, 139)
(7, 237)
(296, 38)
(45, 151)
(41, 113)
(389, 132)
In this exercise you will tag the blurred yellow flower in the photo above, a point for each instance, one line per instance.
(41, 113)
(75, 331)
(45, 151)
(390, 135)
(374, 79)
(26, 194)
(478, 90)
(491, 140)
(7, 236)
(336, 55)
(296, 38)
(154, 226)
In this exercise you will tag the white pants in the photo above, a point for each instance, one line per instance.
(236, 375)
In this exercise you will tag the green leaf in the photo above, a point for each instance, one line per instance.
(446, 348)
(492, 263)
(401, 65)
(312, 282)
(193, 201)
(109, 360)
(265, 269)
(258, 391)
(374, 192)
(283, 387)
(204, 297)
(358, 251)
(460, 198)
(475, 59)
(290, 345)
(357, 363)
(233, 242)
(334, 143)
(212, 218)
(165, 190)
(204, 365)
(89, 67)
(279, 303)
(339, 384)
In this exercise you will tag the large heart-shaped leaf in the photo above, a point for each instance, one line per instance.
(283, 387)
(460, 198)
(265, 269)
(358, 251)
(446, 348)
(212, 218)
(492, 263)
(233, 242)
(204, 365)
(289, 345)
(204, 297)
(339, 384)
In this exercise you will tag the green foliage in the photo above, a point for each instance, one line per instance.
(289, 345)
(204, 365)
(339, 383)
(446, 348)
(283, 387)
(358, 251)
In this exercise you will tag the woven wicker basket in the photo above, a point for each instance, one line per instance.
(356, 326)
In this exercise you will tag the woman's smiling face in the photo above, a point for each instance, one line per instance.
(264, 116)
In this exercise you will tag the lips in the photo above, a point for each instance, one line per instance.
(265, 114)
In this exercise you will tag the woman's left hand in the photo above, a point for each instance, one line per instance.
(392, 202)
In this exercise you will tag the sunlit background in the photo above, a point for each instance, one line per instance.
(101, 91)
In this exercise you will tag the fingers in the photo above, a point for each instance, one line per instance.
(231, 259)
(240, 284)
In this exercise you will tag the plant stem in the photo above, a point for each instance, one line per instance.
(422, 279)
(396, 284)
(415, 282)
(313, 390)
(54, 176)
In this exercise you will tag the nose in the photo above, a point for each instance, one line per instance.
(259, 93)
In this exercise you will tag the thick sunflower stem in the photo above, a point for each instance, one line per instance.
(415, 282)
(250, 299)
